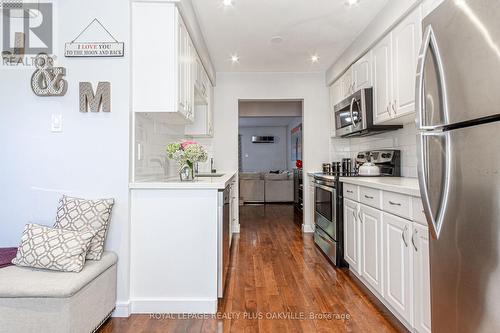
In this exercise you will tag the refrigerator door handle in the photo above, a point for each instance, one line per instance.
(429, 42)
(434, 221)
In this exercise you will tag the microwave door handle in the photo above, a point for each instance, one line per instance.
(352, 113)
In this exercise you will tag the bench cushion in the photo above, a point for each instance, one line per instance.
(19, 282)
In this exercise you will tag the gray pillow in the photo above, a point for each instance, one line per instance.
(54, 249)
(79, 214)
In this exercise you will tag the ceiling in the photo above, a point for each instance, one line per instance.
(308, 27)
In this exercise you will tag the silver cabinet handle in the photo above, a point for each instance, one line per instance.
(354, 214)
(413, 240)
(393, 106)
(360, 217)
(388, 110)
(394, 203)
(368, 197)
(349, 191)
(403, 235)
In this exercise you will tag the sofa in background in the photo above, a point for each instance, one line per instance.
(262, 187)
(43, 301)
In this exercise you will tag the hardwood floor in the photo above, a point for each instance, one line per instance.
(278, 282)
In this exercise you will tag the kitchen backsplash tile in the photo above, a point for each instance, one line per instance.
(153, 136)
(404, 139)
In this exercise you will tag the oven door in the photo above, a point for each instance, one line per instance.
(349, 115)
(325, 209)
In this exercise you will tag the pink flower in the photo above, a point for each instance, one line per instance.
(186, 144)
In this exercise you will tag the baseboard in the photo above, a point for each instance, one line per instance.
(122, 310)
(307, 228)
(236, 228)
(174, 305)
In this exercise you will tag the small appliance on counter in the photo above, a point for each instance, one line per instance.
(378, 163)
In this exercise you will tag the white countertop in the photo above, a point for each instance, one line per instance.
(159, 182)
(403, 185)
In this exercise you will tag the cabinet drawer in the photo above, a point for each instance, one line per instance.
(370, 197)
(397, 204)
(351, 192)
(417, 211)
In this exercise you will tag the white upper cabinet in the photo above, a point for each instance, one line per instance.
(162, 69)
(335, 97)
(382, 85)
(362, 72)
(394, 67)
(202, 125)
(406, 39)
(347, 86)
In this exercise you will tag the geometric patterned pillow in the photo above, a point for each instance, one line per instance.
(79, 214)
(55, 249)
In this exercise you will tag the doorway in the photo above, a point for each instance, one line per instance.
(270, 155)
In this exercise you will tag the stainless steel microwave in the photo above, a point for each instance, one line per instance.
(354, 116)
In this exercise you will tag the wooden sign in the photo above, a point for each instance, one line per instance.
(86, 49)
(110, 48)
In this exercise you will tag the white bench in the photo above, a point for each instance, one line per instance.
(36, 300)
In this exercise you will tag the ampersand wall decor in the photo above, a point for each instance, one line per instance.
(47, 79)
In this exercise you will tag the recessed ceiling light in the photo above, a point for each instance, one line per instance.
(227, 3)
(314, 59)
(352, 2)
(235, 58)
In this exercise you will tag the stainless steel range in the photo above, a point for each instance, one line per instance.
(328, 234)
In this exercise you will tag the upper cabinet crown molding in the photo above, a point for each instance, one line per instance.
(390, 16)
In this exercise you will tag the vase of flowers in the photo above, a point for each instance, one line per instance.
(186, 153)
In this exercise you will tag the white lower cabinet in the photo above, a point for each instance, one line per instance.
(390, 254)
(351, 235)
(397, 262)
(371, 246)
(421, 279)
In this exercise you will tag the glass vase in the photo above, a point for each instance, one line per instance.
(186, 173)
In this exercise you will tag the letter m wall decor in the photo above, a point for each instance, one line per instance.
(100, 100)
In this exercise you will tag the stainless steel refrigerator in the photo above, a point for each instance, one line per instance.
(458, 119)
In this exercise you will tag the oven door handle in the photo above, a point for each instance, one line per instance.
(326, 188)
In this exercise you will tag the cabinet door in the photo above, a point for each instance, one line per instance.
(182, 56)
(421, 279)
(190, 80)
(371, 246)
(382, 76)
(362, 72)
(347, 86)
(397, 262)
(351, 235)
(210, 120)
(335, 97)
(406, 39)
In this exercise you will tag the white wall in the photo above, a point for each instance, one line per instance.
(90, 158)
(307, 86)
(404, 139)
(264, 156)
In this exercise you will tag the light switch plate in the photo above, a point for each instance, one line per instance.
(56, 123)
